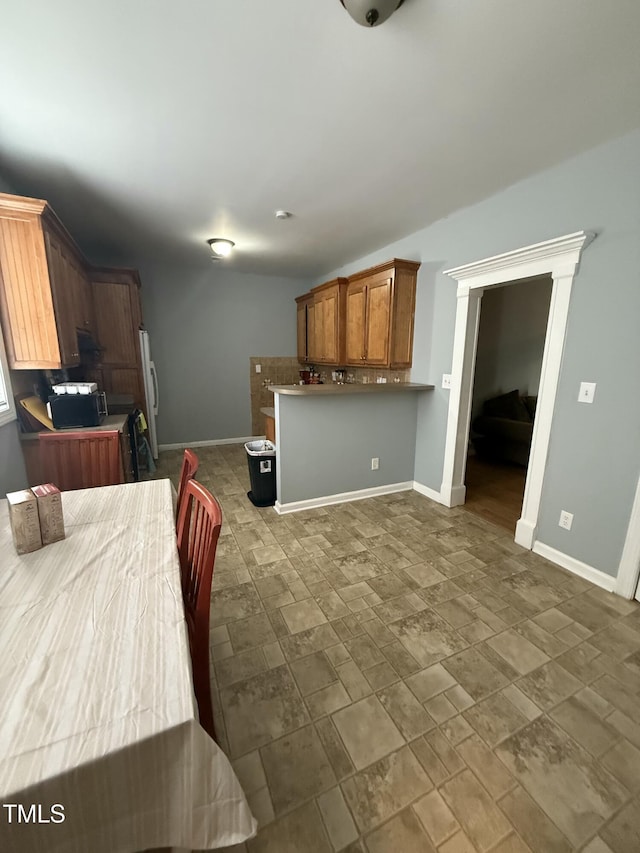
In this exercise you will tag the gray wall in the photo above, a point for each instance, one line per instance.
(513, 327)
(594, 454)
(13, 475)
(205, 323)
(327, 443)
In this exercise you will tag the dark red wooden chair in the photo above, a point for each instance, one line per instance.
(190, 463)
(199, 525)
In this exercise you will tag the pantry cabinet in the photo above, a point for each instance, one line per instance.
(380, 305)
(44, 293)
(116, 299)
(329, 322)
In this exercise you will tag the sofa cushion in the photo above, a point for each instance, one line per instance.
(507, 406)
(530, 403)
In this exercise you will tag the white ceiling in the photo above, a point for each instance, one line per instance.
(158, 124)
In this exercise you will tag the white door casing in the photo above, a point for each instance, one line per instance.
(558, 258)
(627, 583)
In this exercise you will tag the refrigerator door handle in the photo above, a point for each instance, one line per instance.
(152, 370)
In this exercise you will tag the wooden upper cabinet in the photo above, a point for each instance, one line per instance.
(380, 307)
(305, 326)
(116, 300)
(44, 292)
(329, 322)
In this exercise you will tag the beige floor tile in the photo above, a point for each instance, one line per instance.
(475, 673)
(355, 725)
(313, 672)
(585, 727)
(261, 709)
(300, 830)
(261, 806)
(436, 817)
(297, 768)
(489, 770)
(430, 682)
(402, 832)
(337, 819)
(495, 718)
(522, 655)
(303, 615)
(364, 652)
(327, 700)
(480, 818)
(382, 789)
(381, 675)
(459, 843)
(575, 791)
(405, 710)
(306, 642)
(250, 633)
(334, 748)
(250, 772)
(354, 681)
(622, 834)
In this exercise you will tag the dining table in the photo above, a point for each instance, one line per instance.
(101, 750)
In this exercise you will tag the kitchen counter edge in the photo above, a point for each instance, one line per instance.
(332, 388)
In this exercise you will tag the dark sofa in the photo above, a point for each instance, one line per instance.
(502, 432)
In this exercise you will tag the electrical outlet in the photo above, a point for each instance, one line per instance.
(375, 463)
(258, 368)
(566, 519)
(587, 392)
(446, 380)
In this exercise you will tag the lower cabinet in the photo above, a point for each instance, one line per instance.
(86, 458)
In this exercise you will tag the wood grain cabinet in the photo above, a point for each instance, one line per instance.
(305, 327)
(44, 294)
(86, 458)
(116, 300)
(328, 340)
(380, 306)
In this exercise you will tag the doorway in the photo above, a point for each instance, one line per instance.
(558, 258)
(511, 335)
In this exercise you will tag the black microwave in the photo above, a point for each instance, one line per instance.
(71, 411)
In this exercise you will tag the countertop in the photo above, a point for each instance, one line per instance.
(109, 424)
(351, 388)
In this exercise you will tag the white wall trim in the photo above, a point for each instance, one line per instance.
(432, 494)
(601, 579)
(342, 497)
(558, 258)
(629, 568)
(210, 442)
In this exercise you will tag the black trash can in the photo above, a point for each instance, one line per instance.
(261, 456)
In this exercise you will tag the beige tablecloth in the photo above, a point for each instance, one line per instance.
(97, 711)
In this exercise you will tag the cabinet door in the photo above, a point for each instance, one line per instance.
(378, 322)
(328, 337)
(356, 316)
(312, 333)
(301, 314)
(28, 317)
(62, 277)
(81, 460)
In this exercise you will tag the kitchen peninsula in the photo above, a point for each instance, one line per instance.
(331, 437)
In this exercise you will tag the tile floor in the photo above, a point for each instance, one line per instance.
(393, 676)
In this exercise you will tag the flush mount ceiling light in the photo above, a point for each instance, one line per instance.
(371, 13)
(220, 248)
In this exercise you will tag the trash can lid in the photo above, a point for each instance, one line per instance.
(260, 448)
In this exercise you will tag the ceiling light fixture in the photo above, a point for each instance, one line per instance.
(371, 13)
(220, 248)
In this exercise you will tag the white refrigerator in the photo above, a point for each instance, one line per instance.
(150, 390)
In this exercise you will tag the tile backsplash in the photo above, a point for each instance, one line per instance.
(285, 371)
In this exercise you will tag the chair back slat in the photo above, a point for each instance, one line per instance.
(190, 463)
(199, 523)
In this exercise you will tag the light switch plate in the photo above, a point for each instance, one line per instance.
(258, 368)
(587, 392)
(446, 380)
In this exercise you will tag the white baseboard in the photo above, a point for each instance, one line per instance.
(342, 497)
(595, 576)
(210, 443)
(428, 492)
(452, 495)
(526, 533)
